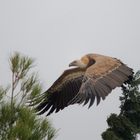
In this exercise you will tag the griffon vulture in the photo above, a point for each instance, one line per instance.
(93, 77)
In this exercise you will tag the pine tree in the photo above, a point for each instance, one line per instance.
(17, 120)
(126, 125)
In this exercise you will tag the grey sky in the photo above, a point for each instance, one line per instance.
(55, 32)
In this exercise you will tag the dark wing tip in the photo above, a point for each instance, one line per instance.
(42, 103)
(128, 72)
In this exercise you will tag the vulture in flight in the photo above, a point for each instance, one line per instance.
(92, 78)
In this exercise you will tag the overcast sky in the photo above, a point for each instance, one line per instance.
(55, 32)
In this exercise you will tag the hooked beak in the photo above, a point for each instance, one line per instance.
(74, 63)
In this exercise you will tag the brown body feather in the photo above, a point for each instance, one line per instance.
(78, 85)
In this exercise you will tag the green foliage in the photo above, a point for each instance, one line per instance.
(110, 135)
(2, 92)
(130, 106)
(126, 125)
(20, 65)
(17, 121)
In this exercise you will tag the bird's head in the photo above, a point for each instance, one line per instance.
(82, 63)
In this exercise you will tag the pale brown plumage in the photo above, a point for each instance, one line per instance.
(93, 77)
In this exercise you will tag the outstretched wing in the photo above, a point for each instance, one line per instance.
(64, 89)
(99, 80)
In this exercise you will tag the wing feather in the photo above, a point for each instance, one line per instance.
(99, 80)
(92, 98)
(61, 92)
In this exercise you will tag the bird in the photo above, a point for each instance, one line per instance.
(91, 78)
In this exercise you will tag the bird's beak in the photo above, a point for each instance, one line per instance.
(74, 63)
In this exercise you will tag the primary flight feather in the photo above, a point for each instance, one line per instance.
(93, 77)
